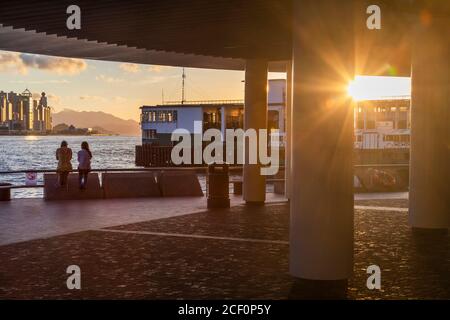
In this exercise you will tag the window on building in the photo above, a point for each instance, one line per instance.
(404, 138)
(401, 124)
(360, 124)
(160, 116)
(150, 134)
(370, 124)
(211, 119)
(273, 119)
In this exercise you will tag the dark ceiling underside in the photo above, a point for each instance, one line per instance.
(222, 28)
(218, 28)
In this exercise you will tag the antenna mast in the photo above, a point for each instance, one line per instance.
(182, 87)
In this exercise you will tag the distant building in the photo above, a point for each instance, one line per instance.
(42, 114)
(379, 124)
(27, 108)
(4, 108)
(383, 124)
(159, 121)
(21, 113)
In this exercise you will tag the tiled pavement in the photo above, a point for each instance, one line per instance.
(214, 255)
(29, 219)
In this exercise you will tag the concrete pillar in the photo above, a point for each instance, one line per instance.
(321, 226)
(255, 116)
(429, 191)
(287, 147)
(281, 119)
(223, 122)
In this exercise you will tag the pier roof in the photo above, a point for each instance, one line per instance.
(219, 34)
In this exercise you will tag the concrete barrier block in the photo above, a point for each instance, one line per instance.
(179, 184)
(130, 185)
(52, 191)
(279, 187)
(279, 182)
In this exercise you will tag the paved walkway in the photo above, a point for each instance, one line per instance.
(382, 195)
(28, 219)
(237, 253)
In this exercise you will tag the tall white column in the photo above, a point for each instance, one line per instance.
(288, 146)
(321, 224)
(429, 191)
(255, 116)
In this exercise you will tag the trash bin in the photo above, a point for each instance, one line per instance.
(237, 187)
(218, 182)
(5, 191)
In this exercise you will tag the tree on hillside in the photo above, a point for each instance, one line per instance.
(60, 127)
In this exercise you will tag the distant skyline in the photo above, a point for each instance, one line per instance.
(121, 88)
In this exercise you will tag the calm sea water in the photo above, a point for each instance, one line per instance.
(38, 152)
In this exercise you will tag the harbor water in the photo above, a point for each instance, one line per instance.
(38, 153)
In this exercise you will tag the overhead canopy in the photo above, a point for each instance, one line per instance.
(219, 34)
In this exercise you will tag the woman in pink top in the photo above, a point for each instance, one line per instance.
(84, 164)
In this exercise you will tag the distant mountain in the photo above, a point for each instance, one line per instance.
(97, 119)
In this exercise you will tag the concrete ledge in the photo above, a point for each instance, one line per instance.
(130, 185)
(279, 187)
(179, 184)
(72, 191)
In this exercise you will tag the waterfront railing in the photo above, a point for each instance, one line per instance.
(197, 170)
(234, 170)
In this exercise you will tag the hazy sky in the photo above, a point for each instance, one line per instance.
(121, 89)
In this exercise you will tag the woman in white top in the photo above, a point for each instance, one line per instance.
(84, 164)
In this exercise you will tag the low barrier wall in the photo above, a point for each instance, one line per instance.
(130, 185)
(179, 184)
(71, 191)
(124, 185)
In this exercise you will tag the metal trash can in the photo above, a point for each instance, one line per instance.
(5, 191)
(237, 187)
(218, 186)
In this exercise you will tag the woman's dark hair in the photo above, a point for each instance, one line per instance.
(85, 146)
(64, 143)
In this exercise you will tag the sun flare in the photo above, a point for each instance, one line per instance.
(373, 88)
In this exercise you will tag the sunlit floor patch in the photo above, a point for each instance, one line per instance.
(196, 236)
(390, 209)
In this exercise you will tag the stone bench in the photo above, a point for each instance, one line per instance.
(130, 185)
(52, 190)
(179, 184)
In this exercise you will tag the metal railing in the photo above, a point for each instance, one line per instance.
(197, 170)
(203, 102)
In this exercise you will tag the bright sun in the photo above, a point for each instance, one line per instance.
(371, 88)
